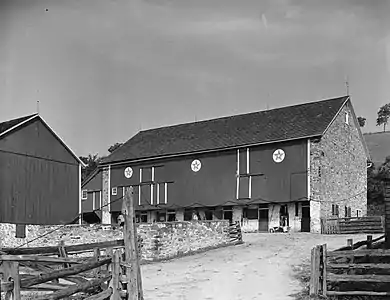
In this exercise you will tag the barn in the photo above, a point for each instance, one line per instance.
(40, 177)
(287, 166)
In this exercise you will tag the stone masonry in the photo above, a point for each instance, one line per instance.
(106, 216)
(338, 172)
(162, 240)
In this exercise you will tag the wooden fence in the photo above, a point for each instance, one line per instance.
(235, 233)
(353, 225)
(110, 271)
(350, 272)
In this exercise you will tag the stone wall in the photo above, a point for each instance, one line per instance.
(160, 240)
(338, 172)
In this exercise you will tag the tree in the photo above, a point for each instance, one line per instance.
(362, 121)
(114, 147)
(383, 116)
(375, 177)
(92, 161)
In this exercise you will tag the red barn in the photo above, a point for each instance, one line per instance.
(292, 165)
(40, 177)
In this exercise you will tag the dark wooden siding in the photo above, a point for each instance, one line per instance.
(285, 181)
(36, 140)
(88, 205)
(37, 191)
(215, 183)
(95, 184)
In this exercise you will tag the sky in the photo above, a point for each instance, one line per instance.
(104, 69)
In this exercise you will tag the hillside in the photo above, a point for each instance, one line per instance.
(378, 144)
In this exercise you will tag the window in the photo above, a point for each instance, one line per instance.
(346, 212)
(142, 217)
(346, 118)
(251, 213)
(358, 213)
(171, 215)
(296, 209)
(20, 231)
(335, 210)
(84, 194)
(209, 213)
(349, 212)
(114, 191)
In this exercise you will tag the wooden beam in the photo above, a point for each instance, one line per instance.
(28, 282)
(69, 249)
(358, 266)
(101, 296)
(47, 287)
(356, 253)
(74, 289)
(32, 258)
(358, 278)
(357, 293)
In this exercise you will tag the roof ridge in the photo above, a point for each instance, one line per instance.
(23, 117)
(245, 114)
(376, 132)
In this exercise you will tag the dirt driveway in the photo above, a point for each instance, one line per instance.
(262, 268)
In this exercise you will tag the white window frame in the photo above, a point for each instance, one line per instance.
(84, 194)
(114, 191)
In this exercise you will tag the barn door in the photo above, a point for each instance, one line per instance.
(263, 219)
(305, 220)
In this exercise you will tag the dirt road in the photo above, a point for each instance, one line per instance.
(262, 268)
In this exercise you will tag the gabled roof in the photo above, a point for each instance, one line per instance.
(8, 125)
(276, 125)
(15, 124)
(378, 144)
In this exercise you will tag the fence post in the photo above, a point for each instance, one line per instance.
(10, 270)
(387, 210)
(129, 235)
(323, 264)
(315, 271)
(114, 282)
(350, 243)
(369, 241)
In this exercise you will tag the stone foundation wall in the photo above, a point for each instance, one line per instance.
(160, 240)
(338, 172)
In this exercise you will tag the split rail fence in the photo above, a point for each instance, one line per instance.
(353, 225)
(350, 271)
(111, 270)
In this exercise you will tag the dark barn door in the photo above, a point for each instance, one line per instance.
(263, 220)
(305, 221)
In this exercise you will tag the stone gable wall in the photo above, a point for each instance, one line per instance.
(159, 240)
(338, 170)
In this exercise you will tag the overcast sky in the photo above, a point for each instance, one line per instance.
(104, 69)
